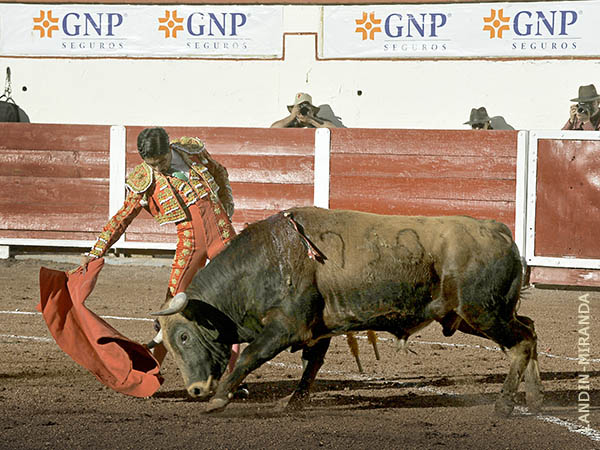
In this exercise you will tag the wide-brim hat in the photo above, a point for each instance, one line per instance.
(478, 115)
(303, 97)
(586, 94)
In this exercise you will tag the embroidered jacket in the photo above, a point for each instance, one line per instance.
(167, 197)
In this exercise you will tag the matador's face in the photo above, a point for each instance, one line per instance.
(160, 163)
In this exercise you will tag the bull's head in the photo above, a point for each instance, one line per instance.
(199, 338)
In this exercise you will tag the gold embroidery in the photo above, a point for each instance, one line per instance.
(140, 179)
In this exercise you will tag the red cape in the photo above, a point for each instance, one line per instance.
(118, 362)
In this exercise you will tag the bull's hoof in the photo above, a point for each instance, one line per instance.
(296, 405)
(281, 406)
(504, 406)
(216, 405)
(290, 403)
(534, 402)
(297, 402)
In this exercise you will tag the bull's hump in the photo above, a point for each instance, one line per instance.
(350, 223)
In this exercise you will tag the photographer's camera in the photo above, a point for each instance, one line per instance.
(584, 108)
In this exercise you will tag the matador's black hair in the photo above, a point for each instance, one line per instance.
(153, 142)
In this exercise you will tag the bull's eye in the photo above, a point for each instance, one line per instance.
(183, 338)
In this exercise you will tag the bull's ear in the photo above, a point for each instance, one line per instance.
(197, 311)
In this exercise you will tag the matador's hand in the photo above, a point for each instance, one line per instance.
(84, 261)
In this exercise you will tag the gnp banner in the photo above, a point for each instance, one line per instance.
(484, 30)
(200, 31)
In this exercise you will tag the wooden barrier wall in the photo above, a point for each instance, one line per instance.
(563, 207)
(55, 180)
(568, 200)
(425, 172)
(64, 171)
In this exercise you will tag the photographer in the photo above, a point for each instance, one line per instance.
(479, 120)
(303, 114)
(585, 114)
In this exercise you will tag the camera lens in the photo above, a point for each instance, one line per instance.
(583, 108)
(304, 110)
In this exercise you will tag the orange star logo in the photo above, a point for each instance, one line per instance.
(367, 27)
(497, 23)
(170, 22)
(47, 24)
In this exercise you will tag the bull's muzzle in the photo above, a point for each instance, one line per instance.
(202, 389)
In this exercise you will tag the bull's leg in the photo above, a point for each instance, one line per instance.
(273, 340)
(314, 357)
(533, 383)
(523, 362)
(519, 355)
(520, 340)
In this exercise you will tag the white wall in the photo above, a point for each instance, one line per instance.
(530, 94)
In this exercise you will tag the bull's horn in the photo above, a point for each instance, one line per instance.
(208, 383)
(177, 304)
(157, 340)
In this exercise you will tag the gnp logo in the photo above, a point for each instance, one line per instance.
(528, 24)
(396, 25)
(206, 31)
(73, 24)
(80, 31)
(202, 24)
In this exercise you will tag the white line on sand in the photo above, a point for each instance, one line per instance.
(588, 432)
(144, 319)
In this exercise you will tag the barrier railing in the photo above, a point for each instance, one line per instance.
(563, 206)
(63, 182)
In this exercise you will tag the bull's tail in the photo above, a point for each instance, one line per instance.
(526, 273)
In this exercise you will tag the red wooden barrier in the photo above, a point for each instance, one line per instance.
(567, 198)
(425, 172)
(55, 180)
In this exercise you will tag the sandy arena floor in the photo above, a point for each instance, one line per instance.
(440, 396)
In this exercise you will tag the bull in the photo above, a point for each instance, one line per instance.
(306, 274)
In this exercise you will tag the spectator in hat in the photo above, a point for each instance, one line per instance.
(585, 114)
(303, 114)
(479, 120)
